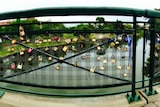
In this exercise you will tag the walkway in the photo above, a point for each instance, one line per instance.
(12, 99)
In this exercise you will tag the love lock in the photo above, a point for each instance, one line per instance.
(40, 58)
(112, 44)
(125, 74)
(29, 50)
(46, 48)
(104, 60)
(75, 63)
(125, 49)
(119, 67)
(98, 58)
(92, 69)
(74, 39)
(119, 48)
(128, 68)
(113, 59)
(30, 58)
(49, 58)
(67, 41)
(21, 52)
(57, 67)
(13, 41)
(55, 48)
(20, 65)
(65, 48)
(98, 48)
(93, 40)
(12, 66)
(102, 68)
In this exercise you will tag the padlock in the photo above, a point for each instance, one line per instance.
(67, 41)
(21, 33)
(29, 50)
(61, 58)
(102, 68)
(92, 69)
(65, 48)
(49, 40)
(155, 54)
(119, 48)
(74, 39)
(113, 59)
(112, 44)
(30, 58)
(104, 60)
(125, 74)
(125, 49)
(75, 63)
(98, 48)
(82, 38)
(12, 66)
(45, 40)
(46, 48)
(57, 67)
(85, 57)
(21, 52)
(119, 67)
(0, 40)
(119, 38)
(98, 58)
(49, 58)
(20, 65)
(93, 40)
(21, 38)
(40, 58)
(28, 40)
(13, 41)
(117, 42)
(55, 48)
(128, 68)
(12, 49)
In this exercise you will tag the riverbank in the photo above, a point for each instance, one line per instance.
(11, 99)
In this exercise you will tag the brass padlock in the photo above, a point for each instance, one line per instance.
(55, 48)
(67, 41)
(128, 68)
(49, 58)
(112, 44)
(125, 74)
(104, 60)
(102, 68)
(40, 58)
(13, 41)
(119, 48)
(98, 58)
(30, 58)
(119, 67)
(92, 69)
(74, 39)
(113, 59)
(65, 48)
(82, 38)
(98, 48)
(46, 48)
(57, 67)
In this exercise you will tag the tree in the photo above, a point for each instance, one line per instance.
(101, 21)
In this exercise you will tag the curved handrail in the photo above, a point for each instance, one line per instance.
(65, 11)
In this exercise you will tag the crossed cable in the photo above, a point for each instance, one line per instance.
(60, 61)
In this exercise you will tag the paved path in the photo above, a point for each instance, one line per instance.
(12, 99)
